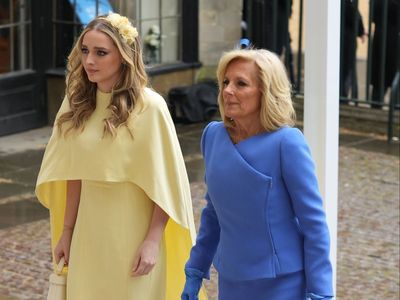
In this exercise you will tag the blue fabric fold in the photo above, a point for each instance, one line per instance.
(313, 296)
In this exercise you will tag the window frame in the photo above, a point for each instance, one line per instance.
(22, 60)
(188, 47)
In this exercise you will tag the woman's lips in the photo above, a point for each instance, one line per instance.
(90, 71)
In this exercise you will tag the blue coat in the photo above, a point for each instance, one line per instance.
(264, 215)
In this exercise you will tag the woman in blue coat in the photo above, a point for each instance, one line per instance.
(264, 226)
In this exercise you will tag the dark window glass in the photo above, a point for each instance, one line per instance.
(70, 17)
(15, 35)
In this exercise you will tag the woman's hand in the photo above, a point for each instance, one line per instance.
(146, 258)
(146, 255)
(71, 211)
(194, 279)
(63, 246)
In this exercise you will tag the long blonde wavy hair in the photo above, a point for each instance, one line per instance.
(126, 93)
(276, 101)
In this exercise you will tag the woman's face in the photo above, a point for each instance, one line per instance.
(101, 59)
(241, 91)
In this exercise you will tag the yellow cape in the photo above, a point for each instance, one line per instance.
(152, 160)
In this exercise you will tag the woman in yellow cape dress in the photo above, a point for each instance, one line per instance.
(113, 175)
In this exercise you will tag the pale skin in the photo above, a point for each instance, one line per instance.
(147, 253)
(71, 211)
(102, 63)
(101, 60)
(242, 98)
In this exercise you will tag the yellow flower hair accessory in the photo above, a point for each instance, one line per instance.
(124, 27)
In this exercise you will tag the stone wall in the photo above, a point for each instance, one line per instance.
(219, 29)
(164, 82)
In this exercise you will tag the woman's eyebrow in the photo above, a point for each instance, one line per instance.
(96, 48)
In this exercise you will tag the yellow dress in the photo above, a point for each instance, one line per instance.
(122, 178)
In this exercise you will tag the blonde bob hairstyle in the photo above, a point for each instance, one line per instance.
(126, 93)
(276, 102)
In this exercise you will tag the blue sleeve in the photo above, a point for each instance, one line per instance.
(202, 253)
(298, 173)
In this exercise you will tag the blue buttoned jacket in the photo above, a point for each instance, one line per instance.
(264, 215)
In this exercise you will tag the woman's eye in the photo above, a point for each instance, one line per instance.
(101, 53)
(241, 83)
(225, 82)
(84, 50)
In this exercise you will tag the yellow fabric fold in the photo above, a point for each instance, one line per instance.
(152, 160)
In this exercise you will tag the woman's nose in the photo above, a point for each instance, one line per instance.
(90, 59)
(228, 88)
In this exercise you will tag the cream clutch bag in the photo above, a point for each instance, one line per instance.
(58, 283)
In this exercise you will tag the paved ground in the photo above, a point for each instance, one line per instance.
(368, 233)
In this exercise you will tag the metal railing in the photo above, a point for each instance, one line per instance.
(378, 71)
(393, 104)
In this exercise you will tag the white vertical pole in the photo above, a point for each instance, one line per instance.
(321, 102)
